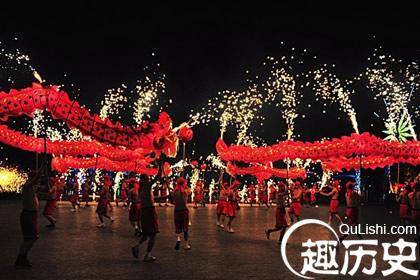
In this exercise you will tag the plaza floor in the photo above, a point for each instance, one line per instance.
(76, 249)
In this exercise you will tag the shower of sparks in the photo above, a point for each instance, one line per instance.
(325, 177)
(215, 162)
(281, 86)
(114, 100)
(119, 176)
(193, 181)
(11, 180)
(231, 108)
(243, 193)
(37, 123)
(394, 83)
(177, 167)
(148, 93)
(211, 190)
(97, 181)
(14, 62)
(81, 175)
(328, 87)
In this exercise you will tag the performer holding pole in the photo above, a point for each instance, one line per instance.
(334, 202)
(181, 213)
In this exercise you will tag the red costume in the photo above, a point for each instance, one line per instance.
(262, 194)
(181, 213)
(281, 217)
(75, 197)
(251, 194)
(198, 193)
(51, 203)
(334, 203)
(405, 212)
(352, 212)
(307, 195)
(222, 202)
(135, 206)
(295, 208)
(85, 194)
(102, 207)
(313, 195)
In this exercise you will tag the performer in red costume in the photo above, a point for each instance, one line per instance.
(263, 194)
(124, 193)
(313, 191)
(230, 209)
(85, 192)
(29, 219)
(163, 192)
(402, 199)
(135, 205)
(334, 202)
(414, 200)
(221, 203)
(108, 184)
(74, 199)
(148, 216)
(281, 223)
(352, 209)
(198, 193)
(181, 213)
(272, 194)
(306, 196)
(102, 208)
(251, 194)
(294, 209)
(51, 202)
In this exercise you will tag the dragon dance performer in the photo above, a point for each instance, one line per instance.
(51, 203)
(306, 196)
(231, 205)
(221, 202)
(29, 219)
(263, 194)
(108, 184)
(181, 213)
(313, 191)
(334, 202)
(272, 194)
(74, 198)
(403, 200)
(294, 209)
(414, 200)
(85, 192)
(102, 208)
(163, 192)
(124, 192)
(352, 209)
(198, 193)
(281, 222)
(135, 204)
(148, 217)
(251, 194)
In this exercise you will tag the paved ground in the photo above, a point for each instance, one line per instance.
(76, 249)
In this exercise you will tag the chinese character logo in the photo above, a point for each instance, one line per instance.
(320, 257)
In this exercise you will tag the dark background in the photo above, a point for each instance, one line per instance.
(206, 47)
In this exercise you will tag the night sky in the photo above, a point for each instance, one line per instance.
(205, 48)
